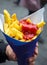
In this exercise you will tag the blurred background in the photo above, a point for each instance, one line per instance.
(14, 6)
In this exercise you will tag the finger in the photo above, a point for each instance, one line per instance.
(32, 63)
(13, 56)
(36, 49)
(33, 58)
(37, 44)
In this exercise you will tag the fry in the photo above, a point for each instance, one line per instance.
(7, 17)
(5, 26)
(22, 40)
(38, 31)
(15, 25)
(17, 33)
(14, 18)
(41, 24)
(29, 20)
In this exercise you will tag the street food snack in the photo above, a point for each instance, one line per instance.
(23, 30)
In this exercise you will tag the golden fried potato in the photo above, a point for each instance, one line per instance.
(7, 17)
(14, 18)
(17, 33)
(41, 24)
(13, 28)
(5, 26)
(15, 25)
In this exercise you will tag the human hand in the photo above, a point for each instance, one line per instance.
(10, 53)
(33, 58)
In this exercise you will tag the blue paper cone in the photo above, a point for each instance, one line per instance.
(23, 50)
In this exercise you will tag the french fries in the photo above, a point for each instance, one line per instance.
(13, 28)
(15, 25)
